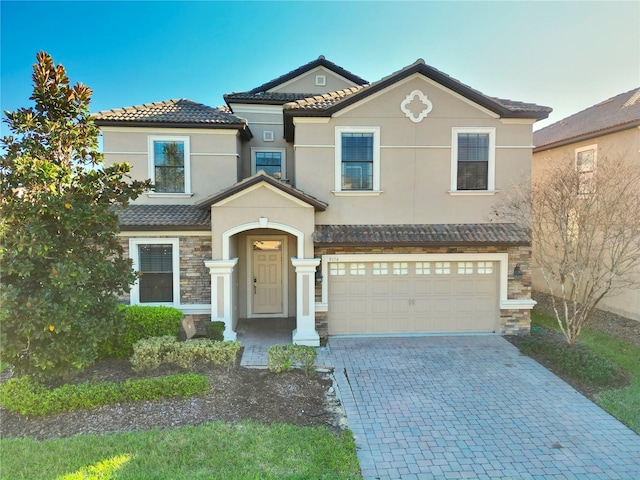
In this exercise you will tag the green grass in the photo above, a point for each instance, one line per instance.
(623, 403)
(210, 451)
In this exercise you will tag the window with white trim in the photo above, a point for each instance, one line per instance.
(357, 159)
(423, 268)
(338, 269)
(380, 269)
(169, 164)
(443, 268)
(586, 168)
(271, 160)
(473, 151)
(465, 268)
(158, 265)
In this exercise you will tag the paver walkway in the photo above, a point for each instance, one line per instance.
(471, 407)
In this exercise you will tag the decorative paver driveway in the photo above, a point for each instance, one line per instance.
(471, 407)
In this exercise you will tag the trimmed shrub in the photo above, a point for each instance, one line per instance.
(283, 358)
(215, 331)
(142, 321)
(150, 353)
(29, 397)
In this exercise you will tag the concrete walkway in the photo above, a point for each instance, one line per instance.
(471, 407)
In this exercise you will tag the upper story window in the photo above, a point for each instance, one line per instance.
(357, 159)
(169, 164)
(586, 168)
(473, 159)
(272, 161)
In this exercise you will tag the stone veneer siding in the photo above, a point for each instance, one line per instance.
(512, 322)
(195, 279)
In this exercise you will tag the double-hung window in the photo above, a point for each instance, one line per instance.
(169, 164)
(357, 159)
(586, 167)
(473, 159)
(271, 161)
(157, 263)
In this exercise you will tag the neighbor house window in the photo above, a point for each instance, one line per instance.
(271, 161)
(357, 159)
(586, 168)
(157, 263)
(473, 159)
(169, 164)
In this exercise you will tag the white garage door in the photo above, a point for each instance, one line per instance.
(412, 297)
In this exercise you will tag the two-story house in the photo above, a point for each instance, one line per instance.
(355, 207)
(606, 132)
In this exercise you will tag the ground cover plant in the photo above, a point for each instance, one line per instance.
(210, 451)
(601, 366)
(29, 397)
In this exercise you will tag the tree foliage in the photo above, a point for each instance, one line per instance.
(585, 234)
(62, 265)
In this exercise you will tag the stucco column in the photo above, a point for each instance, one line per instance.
(305, 332)
(221, 306)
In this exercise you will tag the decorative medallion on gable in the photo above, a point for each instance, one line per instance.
(416, 106)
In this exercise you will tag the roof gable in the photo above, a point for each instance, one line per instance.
(262, 177)
(326, 105)
(617, 113)
(271, 93)
(321, 61)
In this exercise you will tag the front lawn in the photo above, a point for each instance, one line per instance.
(597, 366)
(213, 450)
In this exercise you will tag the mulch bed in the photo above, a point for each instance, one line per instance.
(241, 394)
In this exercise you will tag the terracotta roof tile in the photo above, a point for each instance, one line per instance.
(170, 111)
(164, 217)
(426, 234)
(616, 113)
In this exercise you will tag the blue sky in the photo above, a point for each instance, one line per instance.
(567, 55)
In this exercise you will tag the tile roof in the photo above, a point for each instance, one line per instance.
(258, 177)
(174, 112)
(417, 235)
(616, 113)
(164, 217)
(271, 98)
(504, 107)
(321, 61)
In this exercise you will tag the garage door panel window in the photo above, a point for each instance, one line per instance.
(443, 268)
(485, 268)
(400, 268)
(380, 269)
(423, 268)
(465, 268)
(357, 269)
(338, 269)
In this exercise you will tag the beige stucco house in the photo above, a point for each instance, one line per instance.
(358, 208)
(606, 132)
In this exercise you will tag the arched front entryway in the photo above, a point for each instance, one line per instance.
(263, 274)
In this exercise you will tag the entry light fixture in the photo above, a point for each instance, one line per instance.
(318, 277)
(517, 272)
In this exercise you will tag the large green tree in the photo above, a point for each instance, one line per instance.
(62, 267)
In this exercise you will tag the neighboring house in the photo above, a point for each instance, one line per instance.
(355, 207)
(608, 131)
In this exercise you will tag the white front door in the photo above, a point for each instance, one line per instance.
(266, 280)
